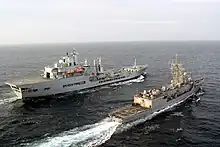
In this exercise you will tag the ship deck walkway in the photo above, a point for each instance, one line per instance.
(27, 80)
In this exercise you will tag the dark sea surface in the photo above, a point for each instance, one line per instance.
(81, 120)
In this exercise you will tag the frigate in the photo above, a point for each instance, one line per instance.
(149, 103)
(67, 75)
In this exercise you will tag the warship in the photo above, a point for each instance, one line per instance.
(67, 75)
(149, 103)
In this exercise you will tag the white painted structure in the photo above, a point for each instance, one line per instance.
(67, 75)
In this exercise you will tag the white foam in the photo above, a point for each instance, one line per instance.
(200, 93)
(95, 134)
(88, 136)
(179, 129)
(8, 98)
(177, 114)
(198, 99)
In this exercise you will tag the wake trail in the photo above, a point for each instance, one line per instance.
(8, 98)
(85, 136)
(95, 134)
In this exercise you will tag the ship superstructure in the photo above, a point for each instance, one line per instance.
(150, 102)
(67, 75)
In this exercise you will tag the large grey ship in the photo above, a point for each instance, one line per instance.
(67, 75)
(148, 104)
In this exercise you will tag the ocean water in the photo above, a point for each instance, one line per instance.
(81, 120)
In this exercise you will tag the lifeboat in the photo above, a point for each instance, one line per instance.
(75, 70)
(78, 69)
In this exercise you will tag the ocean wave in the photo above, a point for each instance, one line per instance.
(85, 136)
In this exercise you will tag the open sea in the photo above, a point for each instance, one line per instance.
(82, 120)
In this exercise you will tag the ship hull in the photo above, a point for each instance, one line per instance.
(55, 87)
(163, 106)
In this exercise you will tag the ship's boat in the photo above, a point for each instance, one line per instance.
(149, 103)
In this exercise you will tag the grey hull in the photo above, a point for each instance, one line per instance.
(162, 106)
(69, 85)
(76, 92)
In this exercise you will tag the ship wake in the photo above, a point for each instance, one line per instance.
(8, 98)
(95, 134)
(85, 136)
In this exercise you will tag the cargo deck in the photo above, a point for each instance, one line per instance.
(126, 111)
(27, 80)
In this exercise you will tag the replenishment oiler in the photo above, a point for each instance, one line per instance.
(67, 75)
(149, 103)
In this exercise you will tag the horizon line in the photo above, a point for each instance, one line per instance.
(83, 42)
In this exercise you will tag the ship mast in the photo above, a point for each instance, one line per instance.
(135, 62)
(100, 68)
(95, 67)
(86, 62)
(179, 76)
(75, 60)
